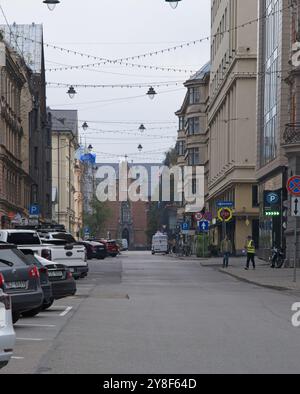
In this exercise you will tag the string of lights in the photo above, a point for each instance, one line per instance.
(122, 86)
(152, 53)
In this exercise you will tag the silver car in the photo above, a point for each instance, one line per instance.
(7, 334)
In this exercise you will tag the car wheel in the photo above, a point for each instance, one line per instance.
(15, 317)
(47, 305)
(33, 312)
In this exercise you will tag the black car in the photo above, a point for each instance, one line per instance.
(62, 281)
(45, 284)
(19, 280)
(94, 250)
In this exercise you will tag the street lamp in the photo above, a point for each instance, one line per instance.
(140, 148)
(142, 128)
(151, 93)
(173, 3)
(51, 4)
(85, 126)
(71, 92)
(90, 148)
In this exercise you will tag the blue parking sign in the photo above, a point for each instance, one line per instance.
(34, 210)
(185, 226)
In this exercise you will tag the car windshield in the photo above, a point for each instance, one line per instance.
(65, 237)
(13, 257)
(31, 260)
(21, 238)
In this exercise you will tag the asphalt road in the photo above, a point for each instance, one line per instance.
(143, 314)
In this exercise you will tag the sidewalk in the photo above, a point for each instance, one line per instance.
(277, 279)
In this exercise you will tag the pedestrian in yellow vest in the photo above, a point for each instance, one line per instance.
(250, 248)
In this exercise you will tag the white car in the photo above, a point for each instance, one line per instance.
(7, 334)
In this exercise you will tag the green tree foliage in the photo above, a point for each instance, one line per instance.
(96, 221)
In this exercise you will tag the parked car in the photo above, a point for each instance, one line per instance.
(69, 254)
(112, 248)
(94, 250)
(62, 281)
(7, 334)
(19, 280)
(45, 283)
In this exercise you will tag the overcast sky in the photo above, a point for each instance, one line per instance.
(116, 29)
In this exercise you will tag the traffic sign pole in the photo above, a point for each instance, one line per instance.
(293, 187)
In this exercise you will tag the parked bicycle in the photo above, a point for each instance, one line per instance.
(277, 257)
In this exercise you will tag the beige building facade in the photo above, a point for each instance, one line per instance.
(66, 171)
(232, 119)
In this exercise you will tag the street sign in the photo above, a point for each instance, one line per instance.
(203, 226)
(185, 226)
(272, 198)
(295, 207)
(208, 216)
(198, 216)
(293, 186)
(225, 204)
(34, 210)
(225, 214)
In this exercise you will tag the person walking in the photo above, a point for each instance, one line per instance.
(250, 248)
(226, 250)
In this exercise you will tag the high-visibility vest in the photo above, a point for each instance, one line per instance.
(250, 247)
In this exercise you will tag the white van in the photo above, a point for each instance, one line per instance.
(160, 243)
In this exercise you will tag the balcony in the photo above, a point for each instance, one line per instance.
(291, 138)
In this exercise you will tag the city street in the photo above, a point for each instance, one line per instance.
(156, 314)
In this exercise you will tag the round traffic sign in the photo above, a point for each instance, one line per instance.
(225, 214)
(198, 216)
(293, 185)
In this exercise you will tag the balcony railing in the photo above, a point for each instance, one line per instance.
(292, 134)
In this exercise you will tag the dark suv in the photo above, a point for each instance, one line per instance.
(94, 250)
(19, 280)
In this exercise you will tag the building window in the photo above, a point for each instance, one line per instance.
(255, 198)
(270, 82)
(180, 148)
(181, 123)
(193, 126)
(193, 157)
(194, 95)
(36, 157)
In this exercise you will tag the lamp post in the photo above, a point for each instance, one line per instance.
(151, 93)
(51, 4)
(142, 128)
(85, 126)
(140, 148)
(173, 3)
(71, 92)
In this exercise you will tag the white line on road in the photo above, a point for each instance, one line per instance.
(35, 325)
(30, 339)
(66, 311)
(17, 358)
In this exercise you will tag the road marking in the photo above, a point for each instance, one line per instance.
(30, 339)
(35, 325)
(17, 358)
(66, 311)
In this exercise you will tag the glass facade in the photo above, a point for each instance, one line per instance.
(270, 80)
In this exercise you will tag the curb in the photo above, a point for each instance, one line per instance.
(272, 287)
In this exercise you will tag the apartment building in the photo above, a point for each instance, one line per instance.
(65, 177)
(232, 119)
(272, 115)
(15, 103)
(26, 41)
(191, 146)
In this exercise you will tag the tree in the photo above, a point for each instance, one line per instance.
(96, 221)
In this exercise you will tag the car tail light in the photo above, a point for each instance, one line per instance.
(2, 281)
(44, 270)
(46, 254)
(34, 272)
(69, 275)
(6, 301)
